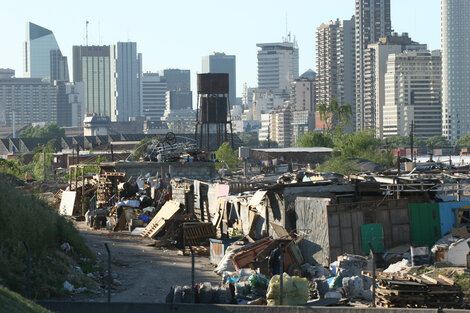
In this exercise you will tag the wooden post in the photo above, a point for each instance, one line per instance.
(83, 190)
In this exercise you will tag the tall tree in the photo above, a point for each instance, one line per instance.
(336, 117)
(315, 139)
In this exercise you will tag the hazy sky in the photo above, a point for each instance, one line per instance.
(175, 34)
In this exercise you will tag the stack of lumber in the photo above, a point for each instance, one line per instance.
(423, 291)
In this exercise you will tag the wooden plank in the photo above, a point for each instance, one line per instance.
(166, 212)
(447, 280)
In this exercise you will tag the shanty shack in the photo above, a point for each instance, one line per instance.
(338, 228)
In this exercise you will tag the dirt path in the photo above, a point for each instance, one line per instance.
(145, 272)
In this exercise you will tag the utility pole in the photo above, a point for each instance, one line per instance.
(86, 33)
(412, 141)
(44, 162)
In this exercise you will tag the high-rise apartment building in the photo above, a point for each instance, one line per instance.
(42, 57)
(455, 23)
(302, 92)
(219, 62)
(24, 101)
(278, 65)
(153, 93)
(126, 73)
(280, 127)
(302, 104)
(413, 94)
(92, 66)
(327, 62)
(375, 65)
(372, 21)
(335, 46)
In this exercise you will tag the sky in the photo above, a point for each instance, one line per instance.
(177, 33)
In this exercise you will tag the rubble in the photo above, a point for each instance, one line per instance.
(314, 229)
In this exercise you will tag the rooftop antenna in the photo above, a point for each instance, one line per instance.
(86, 33)
(286, 25)
(99, 32)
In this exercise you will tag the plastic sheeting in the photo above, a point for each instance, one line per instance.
(257, 197)
(312, 216)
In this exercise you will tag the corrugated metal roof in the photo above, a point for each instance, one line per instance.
(297, 149)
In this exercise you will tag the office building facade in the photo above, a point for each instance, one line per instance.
(153, 92)
(126, 73)
(278, 65)
(375, 65)
(42, 57)
(455, 23)
(219, 62)
(413, 94)
(92, 66)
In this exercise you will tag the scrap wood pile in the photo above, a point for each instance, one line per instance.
(177, 228)
(417, 291)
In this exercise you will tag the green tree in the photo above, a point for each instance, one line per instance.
(437, 142)
(464, 141)
(357, 145)
(268, 144)
(49, 131)
(250, 140)
(140, 149)
(336, 117)
(315, 139)
(226, 154)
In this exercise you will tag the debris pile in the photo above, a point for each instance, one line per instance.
(421, 291)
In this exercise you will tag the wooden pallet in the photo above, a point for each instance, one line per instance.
(408, 291)
(194, 233)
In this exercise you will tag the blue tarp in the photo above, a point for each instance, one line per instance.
(447, 214)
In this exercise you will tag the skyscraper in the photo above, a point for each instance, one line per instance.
(92, 66)
(126, 72)
(278, 65)
(219, 62)
(177, 79)
(455, 21)
(372, 21)
(375, 65)
(42, 56)
(413, 94)
(335, 62)
(153, 94)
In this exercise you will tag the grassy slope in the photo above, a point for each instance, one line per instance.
(24, 218)
(11, 302)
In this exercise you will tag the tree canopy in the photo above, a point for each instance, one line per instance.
(226, 154)
(49, 131)
(464, 141)
(335, 116)
(315, 139)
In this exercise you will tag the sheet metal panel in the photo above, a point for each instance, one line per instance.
(447, 215)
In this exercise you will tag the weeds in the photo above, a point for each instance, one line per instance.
(25, 218)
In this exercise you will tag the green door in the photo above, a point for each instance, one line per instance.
(425, 223)
(374, 234)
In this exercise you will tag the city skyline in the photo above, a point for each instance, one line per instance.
(420, 18)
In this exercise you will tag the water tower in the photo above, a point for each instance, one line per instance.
(213, 111)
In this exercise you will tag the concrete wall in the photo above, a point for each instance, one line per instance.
(200, 170)
(92, 307)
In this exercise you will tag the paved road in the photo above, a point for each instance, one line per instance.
(145, 272)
